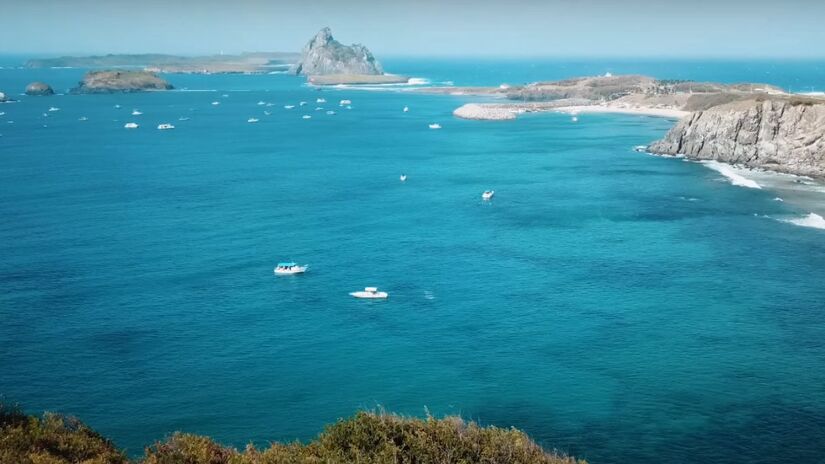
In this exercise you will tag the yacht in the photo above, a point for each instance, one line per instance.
(136, 113)
(252, 120)
(131, 125)
(289, 107)
(83, 118)
(321, 100)
(435, 126)
(165, 127)
(403, 177)
(216, 103)
(53, 109)
(290, 269)
(370, 293)
(345, 102)
(488, 194)
(261, 103)
(406, 109)
(306, 116)
(330, 112)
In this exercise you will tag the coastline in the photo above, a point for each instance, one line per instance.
(670, 113)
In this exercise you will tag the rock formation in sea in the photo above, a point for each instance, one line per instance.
(779, 133)
(323, 55)
(120, 81)
(39, 89)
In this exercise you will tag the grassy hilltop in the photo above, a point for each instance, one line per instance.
(368, 438)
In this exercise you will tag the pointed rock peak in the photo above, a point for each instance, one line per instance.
(323, 37)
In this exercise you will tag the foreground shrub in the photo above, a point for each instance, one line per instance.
(366, 438)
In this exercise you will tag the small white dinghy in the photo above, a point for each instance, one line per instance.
(371, 293)
(289, 269)
(403, 177)
(321, 100)
(261, 103)
(289, 107)
(130, 125)
(252, 120)
(575, 119)
(488, 194)
(165, 127)
(302, 103)
(406, 109)
(216, 103)
(53, 109)
(306, 116)
(136, 113)
(435, 126)
(345, 102)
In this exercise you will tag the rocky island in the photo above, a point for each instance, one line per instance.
(120, 82)
(326, 61)
(249, 63)
(39, 89)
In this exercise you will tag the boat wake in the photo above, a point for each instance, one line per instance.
(732, 174)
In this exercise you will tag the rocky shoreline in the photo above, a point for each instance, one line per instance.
(752, 125)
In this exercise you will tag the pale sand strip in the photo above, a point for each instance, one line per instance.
(638, 110)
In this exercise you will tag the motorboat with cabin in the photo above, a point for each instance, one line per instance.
(289, 268)
(370, 293)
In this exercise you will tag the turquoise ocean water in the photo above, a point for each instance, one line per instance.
(617, 306)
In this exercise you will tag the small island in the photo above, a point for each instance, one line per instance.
(120, 82)
(246, 63)
(326, 61)
(39, 89)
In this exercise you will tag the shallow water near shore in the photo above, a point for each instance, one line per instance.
(617, 306)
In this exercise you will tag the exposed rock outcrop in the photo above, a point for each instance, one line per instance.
(783, 134)
(324, 55)
(120, 81)
(39, 89)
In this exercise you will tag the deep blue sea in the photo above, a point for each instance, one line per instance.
(617, 306)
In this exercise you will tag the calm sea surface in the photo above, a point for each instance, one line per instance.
(616, 306)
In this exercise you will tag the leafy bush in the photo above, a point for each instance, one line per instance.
(366, 438)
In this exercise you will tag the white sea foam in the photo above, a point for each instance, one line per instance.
(732, 174)
(811, 220)
(418, 81)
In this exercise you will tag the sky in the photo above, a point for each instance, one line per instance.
(564, 28)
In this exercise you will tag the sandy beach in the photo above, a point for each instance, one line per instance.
(637, 110)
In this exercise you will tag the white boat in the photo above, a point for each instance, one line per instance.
(2, 113)
(575, 119)
(183, 118)
(306, 116)
(370, 293)
(406, 109)
(83, 118)
(488, 194)
(330, 112)
(403, 177)
(53, 109)
(345, 102)
(435, 126)
(165, 127)
(216, 103)
(321, 100)
(319, 108)
(136, 113)
(289, 269)
(302, 103)
(261, 103)
(289, 107)
(252, 120)
(131, 125)
(117, 107)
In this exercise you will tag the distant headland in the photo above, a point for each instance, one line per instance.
(752, 125)
(249, 63)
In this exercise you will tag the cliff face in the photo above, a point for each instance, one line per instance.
(324, 55)
(778, 134)
(120, 81)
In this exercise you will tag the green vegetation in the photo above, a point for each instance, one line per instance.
(367, 438)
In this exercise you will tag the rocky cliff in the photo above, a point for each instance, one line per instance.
(778, 133)
(39, 89)
(120, 81)
(324, 55)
